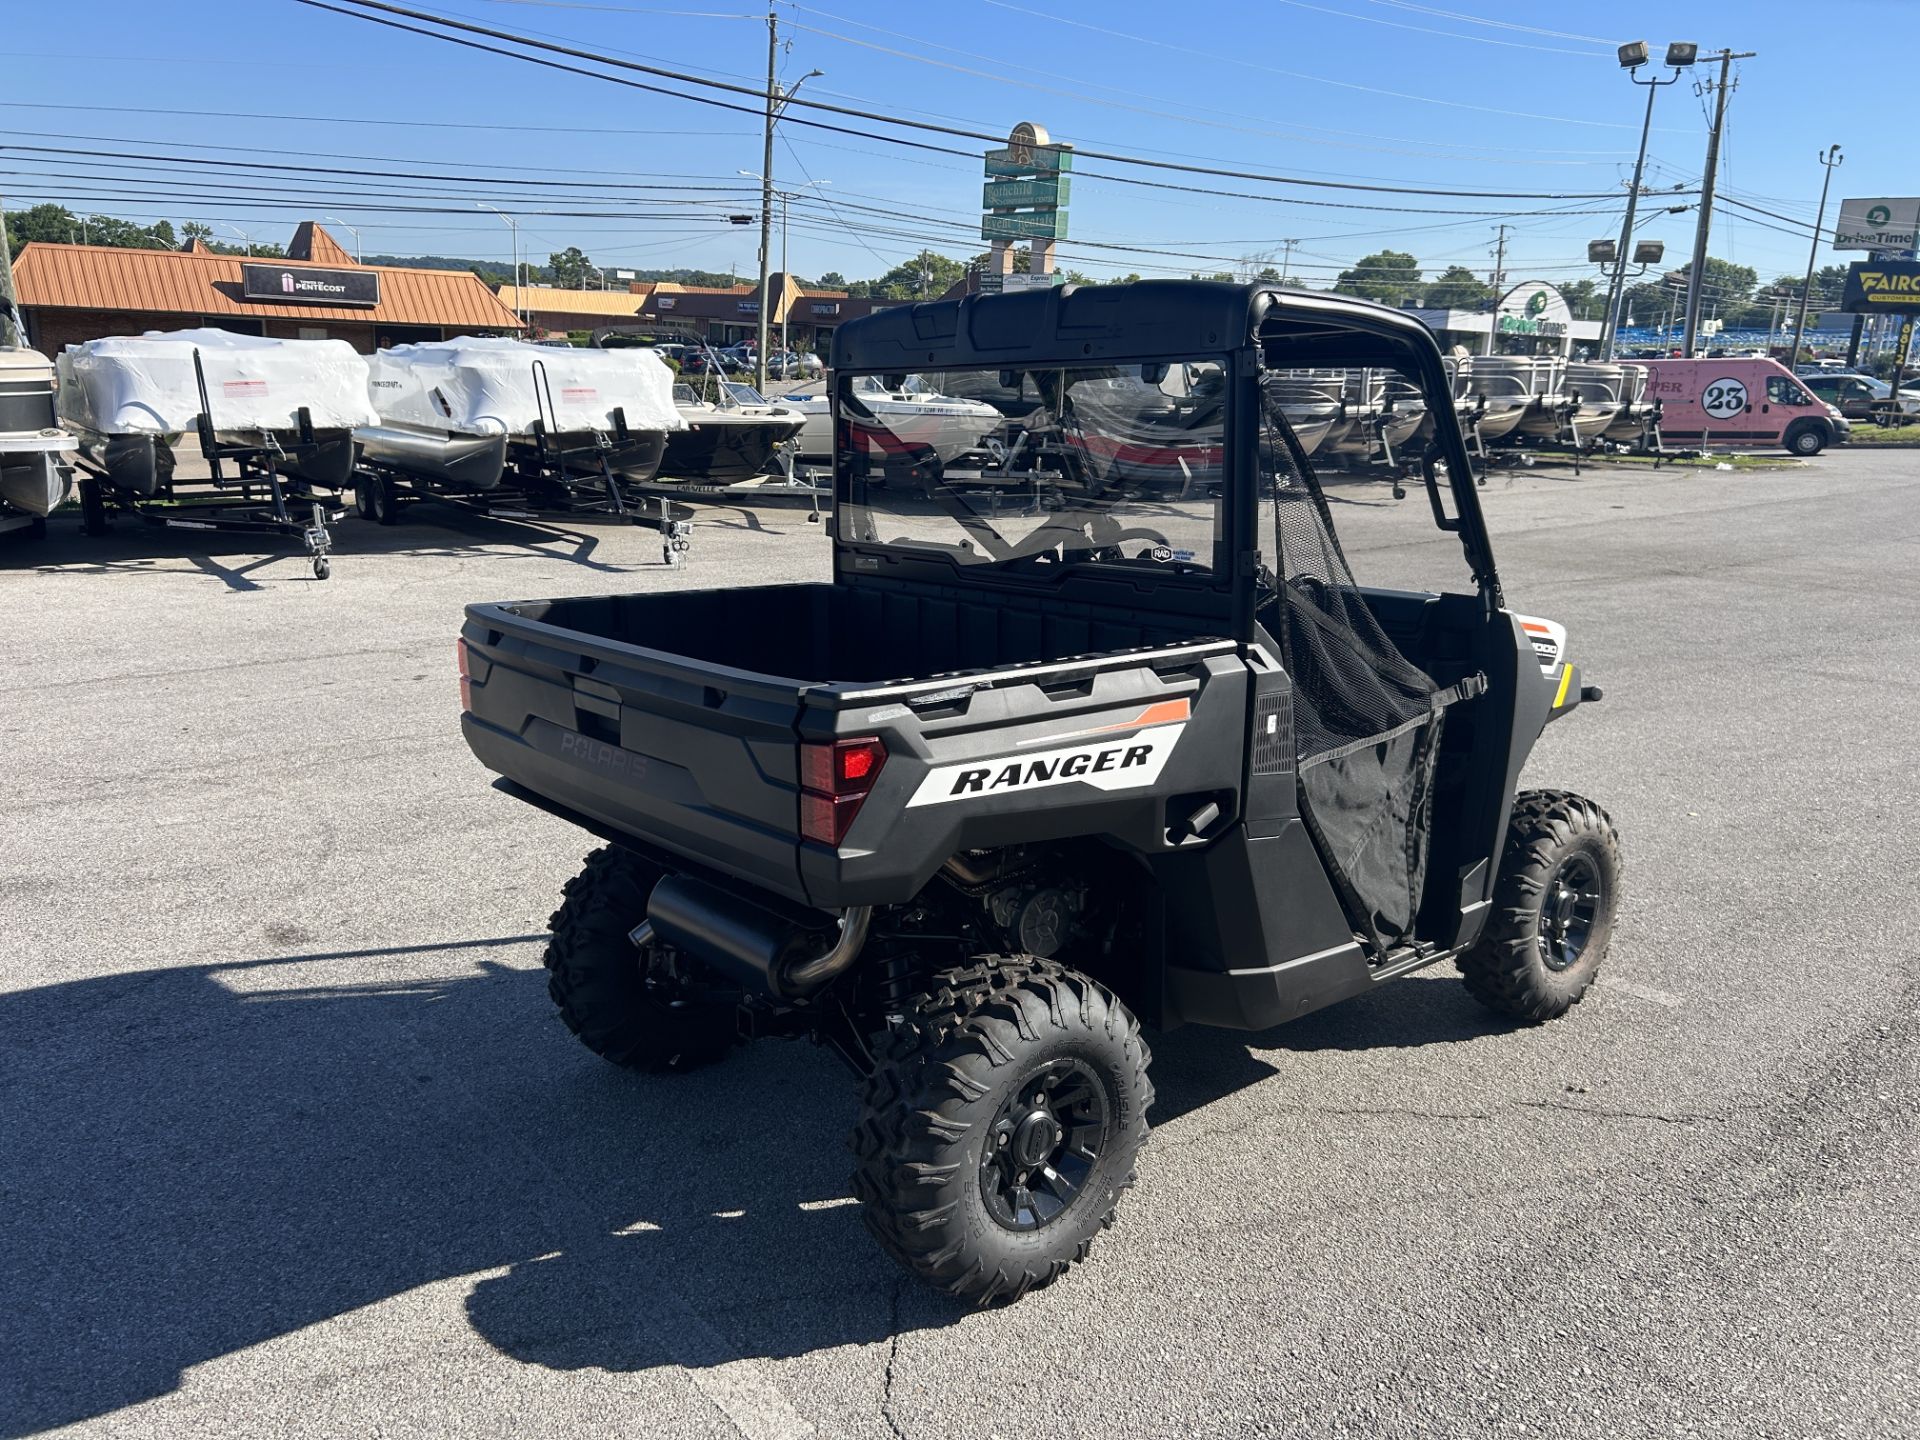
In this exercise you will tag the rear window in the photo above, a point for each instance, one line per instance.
(1040, 470)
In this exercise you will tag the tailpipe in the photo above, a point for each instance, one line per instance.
(787, 953)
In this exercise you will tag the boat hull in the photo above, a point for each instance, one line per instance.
(457, 462)
(637, 457)
(35, 482)
(713, 451)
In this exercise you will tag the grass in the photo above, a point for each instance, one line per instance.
(1874, 435)
(1688, 461)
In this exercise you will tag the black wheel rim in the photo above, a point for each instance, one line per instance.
(1569, 909)
(1044, 1143)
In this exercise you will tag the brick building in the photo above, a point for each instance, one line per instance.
(71, 293)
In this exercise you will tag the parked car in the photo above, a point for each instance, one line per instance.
(1734, 401)
(794, 365)
(1861, 397)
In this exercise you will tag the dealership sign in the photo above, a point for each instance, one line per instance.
(304, 284)
(1534, 308)
(1877, 224)
(1876, 287)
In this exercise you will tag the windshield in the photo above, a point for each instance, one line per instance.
(1098, 466)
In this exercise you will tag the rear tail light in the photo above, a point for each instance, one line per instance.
(835, 779)
(466, 674)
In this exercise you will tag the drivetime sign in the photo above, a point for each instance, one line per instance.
(309, 285)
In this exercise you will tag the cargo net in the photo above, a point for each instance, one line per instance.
(1366, 721)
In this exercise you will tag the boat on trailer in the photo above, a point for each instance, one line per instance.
(733, 436)
(36, 455)
(132, 398)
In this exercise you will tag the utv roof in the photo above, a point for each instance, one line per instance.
(1147, 319)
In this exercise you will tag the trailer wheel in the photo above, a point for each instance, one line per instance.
(1806, 439)
(93, 507)
(624, 1003)
(999, 1126)
(375, 499)
(1553, 907)
(363, 497)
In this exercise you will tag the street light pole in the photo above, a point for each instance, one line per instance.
(245, 238)
(519, 290)
(1632, 57)
(1832, 161)
(351, 231)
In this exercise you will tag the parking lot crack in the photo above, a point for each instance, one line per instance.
(893, 1356)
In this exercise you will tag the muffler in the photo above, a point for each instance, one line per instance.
(786, 956)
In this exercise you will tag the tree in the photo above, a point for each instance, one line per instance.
(57, 225)
(833, 280)
(1584, 298)
(927, 275)
(1389, 276)
(571, 269)
(193, 230)
(1458, 288)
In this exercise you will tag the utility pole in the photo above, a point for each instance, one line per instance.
(1499, 281)
(766, 208)
(1832, 161)
(1696, 273)
(1286, 259)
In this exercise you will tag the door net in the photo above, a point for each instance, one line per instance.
(1366, 720)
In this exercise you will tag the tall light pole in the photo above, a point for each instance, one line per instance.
(351, 231)
(245, 238)
(1832, 161)
(786, 275)
(777, 102)
(519, 290)
(1680, 55)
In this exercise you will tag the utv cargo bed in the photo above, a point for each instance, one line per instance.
(674, 721)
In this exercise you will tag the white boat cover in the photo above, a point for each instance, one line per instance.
(144, 384)
(480, 385)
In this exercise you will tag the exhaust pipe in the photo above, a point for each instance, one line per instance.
(781, 955)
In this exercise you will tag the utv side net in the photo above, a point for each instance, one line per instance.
(1366, 720)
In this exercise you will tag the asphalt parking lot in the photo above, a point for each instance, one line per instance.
(293, 1144)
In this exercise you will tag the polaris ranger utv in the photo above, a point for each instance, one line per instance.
(1092, 723)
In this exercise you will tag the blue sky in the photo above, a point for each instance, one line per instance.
(1446, 95)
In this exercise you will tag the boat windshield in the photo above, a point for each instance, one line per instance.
(738, 394)
(1108, 465)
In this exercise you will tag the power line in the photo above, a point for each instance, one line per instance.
(873, 116)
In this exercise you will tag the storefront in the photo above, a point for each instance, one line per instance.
(1533, 318)
(71, 293)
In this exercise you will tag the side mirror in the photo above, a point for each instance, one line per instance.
(1009, 379)
(1154, 372)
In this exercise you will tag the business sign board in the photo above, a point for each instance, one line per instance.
(1881, 224)
(1534, 307)
(1024, 225)
(1882, 287)
(305, 284)
(992, 284)
(1025, 194)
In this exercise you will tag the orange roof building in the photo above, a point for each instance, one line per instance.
(71, 293)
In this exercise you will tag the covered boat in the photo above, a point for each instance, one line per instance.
(456, 412)
(36, 473)
(731, 438)
(130, 398)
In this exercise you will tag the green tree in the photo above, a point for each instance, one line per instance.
(193, 230)
(1389, 276)
(1458, 288)
(833, 280)
(927, 275)
(570, 269)
(1584, 297)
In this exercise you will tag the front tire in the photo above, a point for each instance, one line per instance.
(1001, 1122)
(1807, 440)
(1553, 908)
(625, 1004)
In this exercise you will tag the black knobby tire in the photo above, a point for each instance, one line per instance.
(1806, 440)
(954, 1077)
(619, 1000)
(1554, 902)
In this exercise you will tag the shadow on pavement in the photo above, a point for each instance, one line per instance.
(206, 1158)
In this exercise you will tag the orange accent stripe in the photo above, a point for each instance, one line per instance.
(1535, 629)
